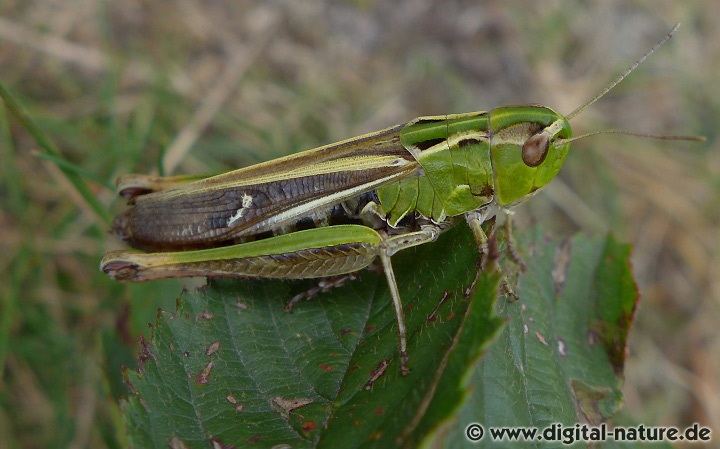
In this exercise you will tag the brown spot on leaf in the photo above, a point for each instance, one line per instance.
(213, 348)
(326, 367)
(562, 347)
(560, 266)
(205, 315)
(597, 404)
(126, 380)
(592, 338)
(309, 426)
(286, 405)
(541, 338)
(238, 406)
(204, 375)
(176, 443)
(145, 354)
(377, 373)
(375, 436)
(218, 444)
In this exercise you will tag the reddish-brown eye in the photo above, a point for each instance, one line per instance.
(535, 149)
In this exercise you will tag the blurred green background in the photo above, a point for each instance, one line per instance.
(202, 87)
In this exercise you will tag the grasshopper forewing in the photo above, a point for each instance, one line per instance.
(333, 210)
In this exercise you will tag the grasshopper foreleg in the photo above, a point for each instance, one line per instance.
(510, 242)
(488, 247)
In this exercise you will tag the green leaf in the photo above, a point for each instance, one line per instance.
(230, 367)
(561, 356)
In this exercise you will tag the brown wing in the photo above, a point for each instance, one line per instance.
(262, 197)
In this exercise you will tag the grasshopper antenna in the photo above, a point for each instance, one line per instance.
(622, 76)
(560, 142)
(614, 83)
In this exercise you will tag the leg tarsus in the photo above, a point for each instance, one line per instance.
(510, 294)
(510, 242)
(324, 285)
(399, 313)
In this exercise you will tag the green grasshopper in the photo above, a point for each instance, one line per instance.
(332, 210)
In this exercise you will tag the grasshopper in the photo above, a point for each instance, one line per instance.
(333, 210)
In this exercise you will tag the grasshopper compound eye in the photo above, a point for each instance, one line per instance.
(535, 149)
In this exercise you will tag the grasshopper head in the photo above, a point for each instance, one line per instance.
(528, 147)
(529, 143)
